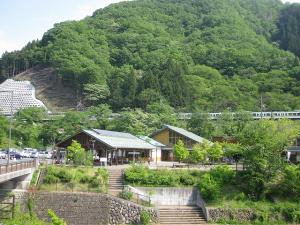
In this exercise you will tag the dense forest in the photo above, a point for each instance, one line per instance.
(195, 55)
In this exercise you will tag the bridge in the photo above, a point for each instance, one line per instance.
(293, 115)
(16, 174)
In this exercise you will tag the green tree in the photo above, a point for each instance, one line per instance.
(102, 113)
(215, 152)
(199, 153)
(3, 130)
(27, 126)
(96, 93)
(263, 144)
(78, 155)
(234, 151)
(201, 125)
(179, 151)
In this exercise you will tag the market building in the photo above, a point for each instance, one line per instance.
(111, 147)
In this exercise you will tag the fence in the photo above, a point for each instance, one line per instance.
(7, 207)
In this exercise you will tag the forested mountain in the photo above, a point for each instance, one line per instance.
(288, 34)
(196, 55)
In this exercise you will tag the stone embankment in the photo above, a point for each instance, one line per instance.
(90, 208)
(241, 215)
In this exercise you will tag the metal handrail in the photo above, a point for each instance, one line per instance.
(138, 195)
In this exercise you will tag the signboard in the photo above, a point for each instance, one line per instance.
(103, 159)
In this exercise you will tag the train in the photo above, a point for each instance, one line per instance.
(255, 115)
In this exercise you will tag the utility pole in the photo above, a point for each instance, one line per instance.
(261, 106)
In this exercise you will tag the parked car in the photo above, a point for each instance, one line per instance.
(14, 155)
(2, 155)
(34, 155)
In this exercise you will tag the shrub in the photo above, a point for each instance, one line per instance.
(209, 188)
(64, 175)
(50, 179)
(222, 174)
(94, 182)
(187, 179)
(240, 197)
(84, 179)
(290, 212)
(54, 218)
(126, 195)
(145, 217)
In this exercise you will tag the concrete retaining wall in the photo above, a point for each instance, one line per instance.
(170, 196)
(173, 196)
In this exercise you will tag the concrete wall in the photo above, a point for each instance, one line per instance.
(170, 196)
(16, 180)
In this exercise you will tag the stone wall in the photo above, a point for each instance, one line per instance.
(74, 208)
(89, 208)
(242, 215)
(125, 212)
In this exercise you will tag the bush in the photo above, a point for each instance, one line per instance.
(187, 179)
(54, 218)
(290, 212)
(145, 217)
(126, 195)
(64, 175)
(139, 175)
(209, 188)
(94, 182)
(222, 174)
(50, 179)
(84, 179)
(290, 184)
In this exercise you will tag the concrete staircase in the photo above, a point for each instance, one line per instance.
(115, 183)
(181, 215)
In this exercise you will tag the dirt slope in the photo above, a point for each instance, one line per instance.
(49, 89)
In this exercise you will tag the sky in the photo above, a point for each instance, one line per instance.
(22, 21)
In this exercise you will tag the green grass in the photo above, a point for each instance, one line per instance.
(34, 178)
(77, 179)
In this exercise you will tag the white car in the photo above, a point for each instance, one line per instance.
(2, 155)
(45, 155)
(34, 155)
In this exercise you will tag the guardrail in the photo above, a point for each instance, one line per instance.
(16, 166)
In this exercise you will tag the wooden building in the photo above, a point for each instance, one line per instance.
(110, 146)
(169, 136)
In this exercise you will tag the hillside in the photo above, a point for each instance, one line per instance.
(204, 55)
(49, 89)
